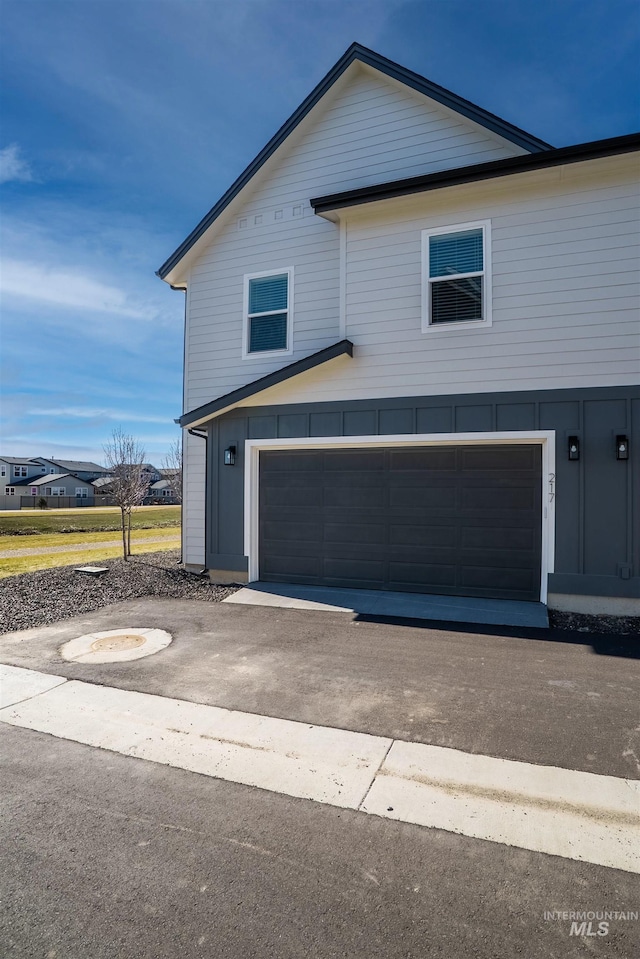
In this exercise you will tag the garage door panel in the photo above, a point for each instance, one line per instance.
(417, 534)
(296, 460)
(425, 575)
(349, 461)
(506, 538)
(355, 497)
(363, 571)
(280, 566)
(493, 458)
(345, 533)
(290, 498)
(455, 520)
(487, 577)
(498, 498)
(291, 531)
(428, 497)
(423, 458)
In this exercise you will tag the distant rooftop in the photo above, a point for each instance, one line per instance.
(73, 466)
(19, 461)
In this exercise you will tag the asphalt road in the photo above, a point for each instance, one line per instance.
(531, 695)
(108, 857)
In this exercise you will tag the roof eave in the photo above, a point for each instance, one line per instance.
(597, 149)
(223, 404)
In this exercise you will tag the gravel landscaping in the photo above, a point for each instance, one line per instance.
(50, 595)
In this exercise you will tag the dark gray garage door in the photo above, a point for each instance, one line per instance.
(453, 520)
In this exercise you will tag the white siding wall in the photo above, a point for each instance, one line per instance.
(369, 129)
(193, 500)
(566, 262)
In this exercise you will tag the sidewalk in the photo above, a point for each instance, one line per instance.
(560, 812)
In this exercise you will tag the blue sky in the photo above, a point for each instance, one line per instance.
(123, 121)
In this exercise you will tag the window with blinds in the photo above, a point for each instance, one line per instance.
(268, 312)
(456, 275)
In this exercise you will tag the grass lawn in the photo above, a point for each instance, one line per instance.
(85, 557)
(47, 540)
(31, 522)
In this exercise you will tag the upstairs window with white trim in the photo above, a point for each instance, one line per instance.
(268, 311)
(19, 470)
(458, 279)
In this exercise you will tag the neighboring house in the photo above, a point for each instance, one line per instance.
(14, 469)
(54, 487)
(80, 468)
(412, 354)
(160, 493)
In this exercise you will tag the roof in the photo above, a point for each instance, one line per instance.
(102, 481)
(19, 461)
(593, 150)
(160, 484)
(395, 71)
(46, 480)
(223, 403)
(75, 465)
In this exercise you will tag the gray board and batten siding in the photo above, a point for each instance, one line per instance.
(597, 541)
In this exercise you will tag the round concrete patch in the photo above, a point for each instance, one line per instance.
(115, 645)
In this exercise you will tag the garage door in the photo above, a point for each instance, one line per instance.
(451, 520)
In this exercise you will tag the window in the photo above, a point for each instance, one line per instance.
(57, 490)
(34, 490)
(268, 310)
(19, 470)
(3, 470)
(457, 289)
(10, 490)
(81, 491)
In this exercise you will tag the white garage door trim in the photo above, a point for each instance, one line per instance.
(546, 439)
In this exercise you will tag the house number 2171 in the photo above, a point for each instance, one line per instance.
(552, 486)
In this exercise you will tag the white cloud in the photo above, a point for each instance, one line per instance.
(66, 288)
(12, 166)
(82, 413)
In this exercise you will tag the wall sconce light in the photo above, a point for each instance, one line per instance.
(622, 448)
(574, 448)
(230, 456)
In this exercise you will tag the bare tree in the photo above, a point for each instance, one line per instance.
(125, 459)
(172, 466)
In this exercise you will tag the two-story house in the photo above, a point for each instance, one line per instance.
(412, 354)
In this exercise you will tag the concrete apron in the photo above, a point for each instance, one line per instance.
(452, 609)
(568, 813)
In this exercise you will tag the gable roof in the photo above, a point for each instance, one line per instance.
(391, 69)
(47, 480)
(19, 461)
(229, 400)
(594, 150)
(73, 465)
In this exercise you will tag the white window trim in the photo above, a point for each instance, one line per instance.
(82, 491)
(427, 326)
(10, 490)
(546, 439)
(246, 355)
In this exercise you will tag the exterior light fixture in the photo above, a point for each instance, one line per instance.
(574, 448)
(622, 448)
(230, 456)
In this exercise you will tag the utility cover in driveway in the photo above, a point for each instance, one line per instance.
(451, 520)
